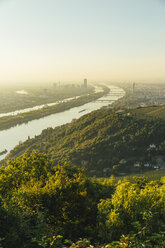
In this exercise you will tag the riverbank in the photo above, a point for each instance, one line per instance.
(13, 136)
(7, 122)
(3, 152)
(11, 101)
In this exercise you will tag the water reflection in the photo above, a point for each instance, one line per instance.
(11, 137)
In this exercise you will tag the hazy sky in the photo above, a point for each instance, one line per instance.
(67, 40)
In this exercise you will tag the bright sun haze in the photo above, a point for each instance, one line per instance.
(43, 41)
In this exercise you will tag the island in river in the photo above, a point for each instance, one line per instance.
(15, 135)
(13, 120)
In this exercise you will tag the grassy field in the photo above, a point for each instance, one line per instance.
(151, 175)
(152, 112)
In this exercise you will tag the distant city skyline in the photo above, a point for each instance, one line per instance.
(69, 40)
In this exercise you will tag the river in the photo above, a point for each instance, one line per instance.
(21, 111)
(11, 137)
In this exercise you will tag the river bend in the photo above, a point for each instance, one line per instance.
(11, 137)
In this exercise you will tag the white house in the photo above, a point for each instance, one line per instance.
(137, 164)
(156, 167)
(123, 161)
(146, 165)
(152, 146)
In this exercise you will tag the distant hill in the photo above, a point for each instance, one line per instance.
(106, 141)
(152, 112)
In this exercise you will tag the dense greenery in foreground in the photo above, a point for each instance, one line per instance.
(101, 139)
(13, 120)
(42, 205)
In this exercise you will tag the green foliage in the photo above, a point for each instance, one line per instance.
(100, 140)
(142, 237)
(128, 204)
(39, 202)
(26, 168)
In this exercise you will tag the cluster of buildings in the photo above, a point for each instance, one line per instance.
(148, 94)
(60, 85)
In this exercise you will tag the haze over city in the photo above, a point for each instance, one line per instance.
(82, 123)
(110, 40)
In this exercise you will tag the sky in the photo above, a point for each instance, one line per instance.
(68, 40)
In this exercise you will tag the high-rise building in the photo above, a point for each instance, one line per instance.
(85, 83)
(45, 92)
(133, 88)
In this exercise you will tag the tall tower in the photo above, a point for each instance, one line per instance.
(45, 92)
(133, 89)
(85, 83)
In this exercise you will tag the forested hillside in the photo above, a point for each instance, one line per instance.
(106, 141)
(42, 205)
(46, 201)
